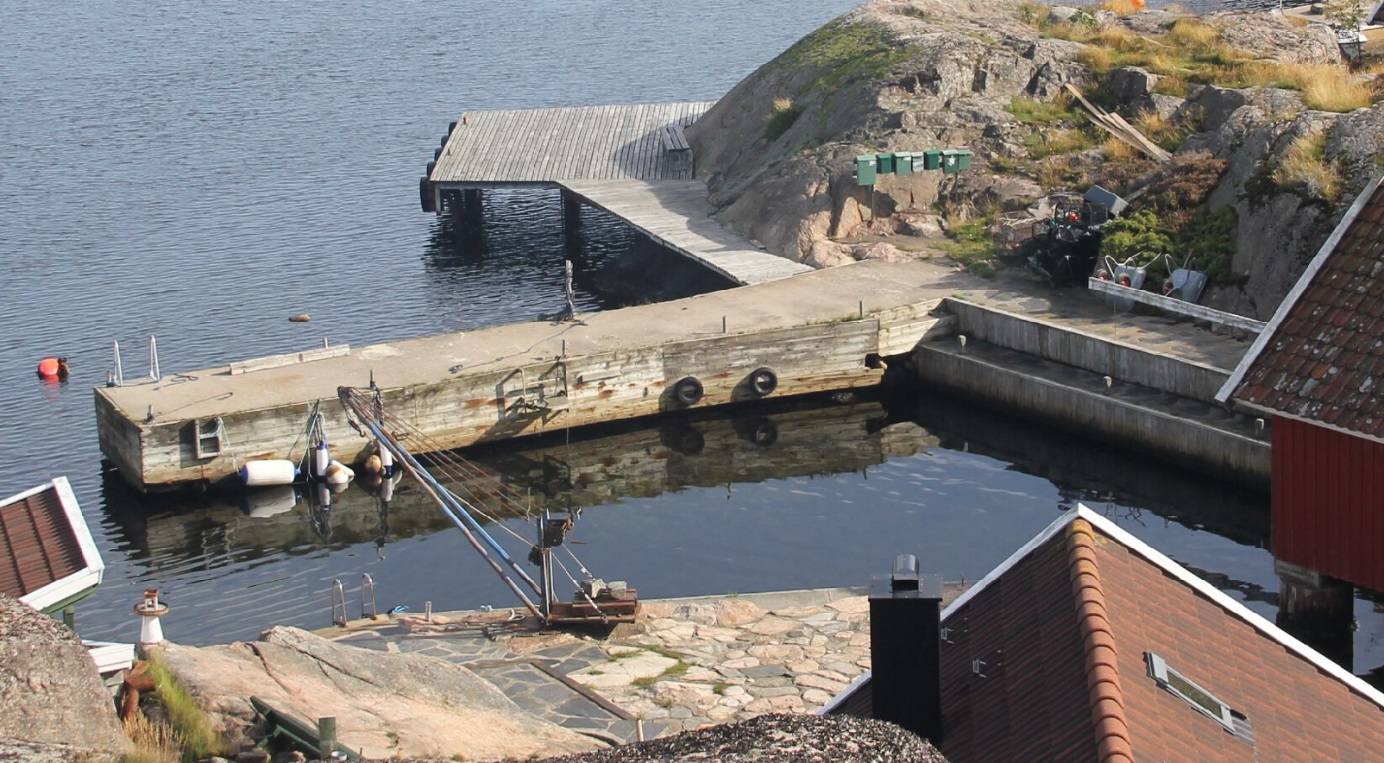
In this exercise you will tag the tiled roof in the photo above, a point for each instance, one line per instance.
(1322, 356)
(41, 544)
(1045, 659)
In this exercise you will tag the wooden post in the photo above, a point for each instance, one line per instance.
(326, 737)
(1318, 609)
(571, 212)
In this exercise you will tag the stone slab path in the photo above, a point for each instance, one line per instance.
(686, 664)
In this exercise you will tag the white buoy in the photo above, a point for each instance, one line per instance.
(269, 471)
(386, 461)
(321, 459)
(150, 610)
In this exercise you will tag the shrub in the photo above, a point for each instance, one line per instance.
(1130, 235)
(785, 113)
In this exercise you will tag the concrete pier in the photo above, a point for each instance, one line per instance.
(532, 377)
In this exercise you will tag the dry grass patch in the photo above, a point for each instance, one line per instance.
(1304, 167)
(1339, 93)
(153, 742)
(1194, 36)
(1058, 142)
(1116, 149)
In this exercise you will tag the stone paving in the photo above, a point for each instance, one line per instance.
(685, 664)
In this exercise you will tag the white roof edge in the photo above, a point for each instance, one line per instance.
(17, 497)
(1266, 336)
(65, 588)
(90, 553)
(1182, 574)
(1258, 622)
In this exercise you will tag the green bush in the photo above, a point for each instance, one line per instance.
(1140, 232)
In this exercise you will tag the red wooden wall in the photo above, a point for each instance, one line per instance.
(1328, 502)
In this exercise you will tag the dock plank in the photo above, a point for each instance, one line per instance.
(547, 146)
(677, 214)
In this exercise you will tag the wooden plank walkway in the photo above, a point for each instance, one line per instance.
(544, 146)
(677, 214)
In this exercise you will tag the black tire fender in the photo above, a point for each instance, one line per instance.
(425, 197)
(763, 380)
(688, 390)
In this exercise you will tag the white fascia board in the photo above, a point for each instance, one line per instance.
(61, 590)
(90, 554)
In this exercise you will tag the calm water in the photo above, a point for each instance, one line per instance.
(201, 171)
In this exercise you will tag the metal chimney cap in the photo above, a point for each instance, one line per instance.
(904, 576)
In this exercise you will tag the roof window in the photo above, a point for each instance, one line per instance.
(1199, 698)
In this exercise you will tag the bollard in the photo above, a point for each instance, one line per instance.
(326, 737)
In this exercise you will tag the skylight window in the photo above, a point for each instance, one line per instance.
(1199, 698)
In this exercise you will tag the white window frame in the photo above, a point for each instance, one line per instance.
(1160, 672)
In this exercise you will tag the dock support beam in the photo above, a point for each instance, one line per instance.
(472, 213)
(571, 212)
(1318, 609)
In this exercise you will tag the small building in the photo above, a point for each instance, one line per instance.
(1317, 374)
(49, 561)
(1089, 645)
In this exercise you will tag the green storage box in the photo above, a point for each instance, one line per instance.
(955, 160)
(885, 163)
(932, 160)
(903, 162)
(865, 169)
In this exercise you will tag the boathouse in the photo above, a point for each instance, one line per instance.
(1317, 372)
(1087, 644)
(48, 559)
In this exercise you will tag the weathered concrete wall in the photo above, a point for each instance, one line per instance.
(486, 405)
(1208, 449)
(1085, 351)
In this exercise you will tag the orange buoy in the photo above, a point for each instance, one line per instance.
(1124, 281)
(48, 367)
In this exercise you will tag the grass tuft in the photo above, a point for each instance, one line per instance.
(189, 723)
(1304, 167)
(152, 742)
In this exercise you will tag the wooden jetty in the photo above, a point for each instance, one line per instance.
(822, 331)
(632, 161)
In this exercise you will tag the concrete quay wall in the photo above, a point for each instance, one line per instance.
(1124, 361)
(1086, 406)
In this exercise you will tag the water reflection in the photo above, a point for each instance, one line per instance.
(800, 493)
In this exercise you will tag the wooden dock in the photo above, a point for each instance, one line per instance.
(677, 214)
(631, 161)
(546, 146)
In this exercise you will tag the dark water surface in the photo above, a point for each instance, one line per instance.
(201, 171)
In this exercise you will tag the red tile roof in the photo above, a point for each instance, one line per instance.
(1322, 356)
(1045, 660)
(38, 545)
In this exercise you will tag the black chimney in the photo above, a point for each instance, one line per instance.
(905, 621)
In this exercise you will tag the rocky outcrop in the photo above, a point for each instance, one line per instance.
(389, 705)
(897, 75)
(51, 696)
